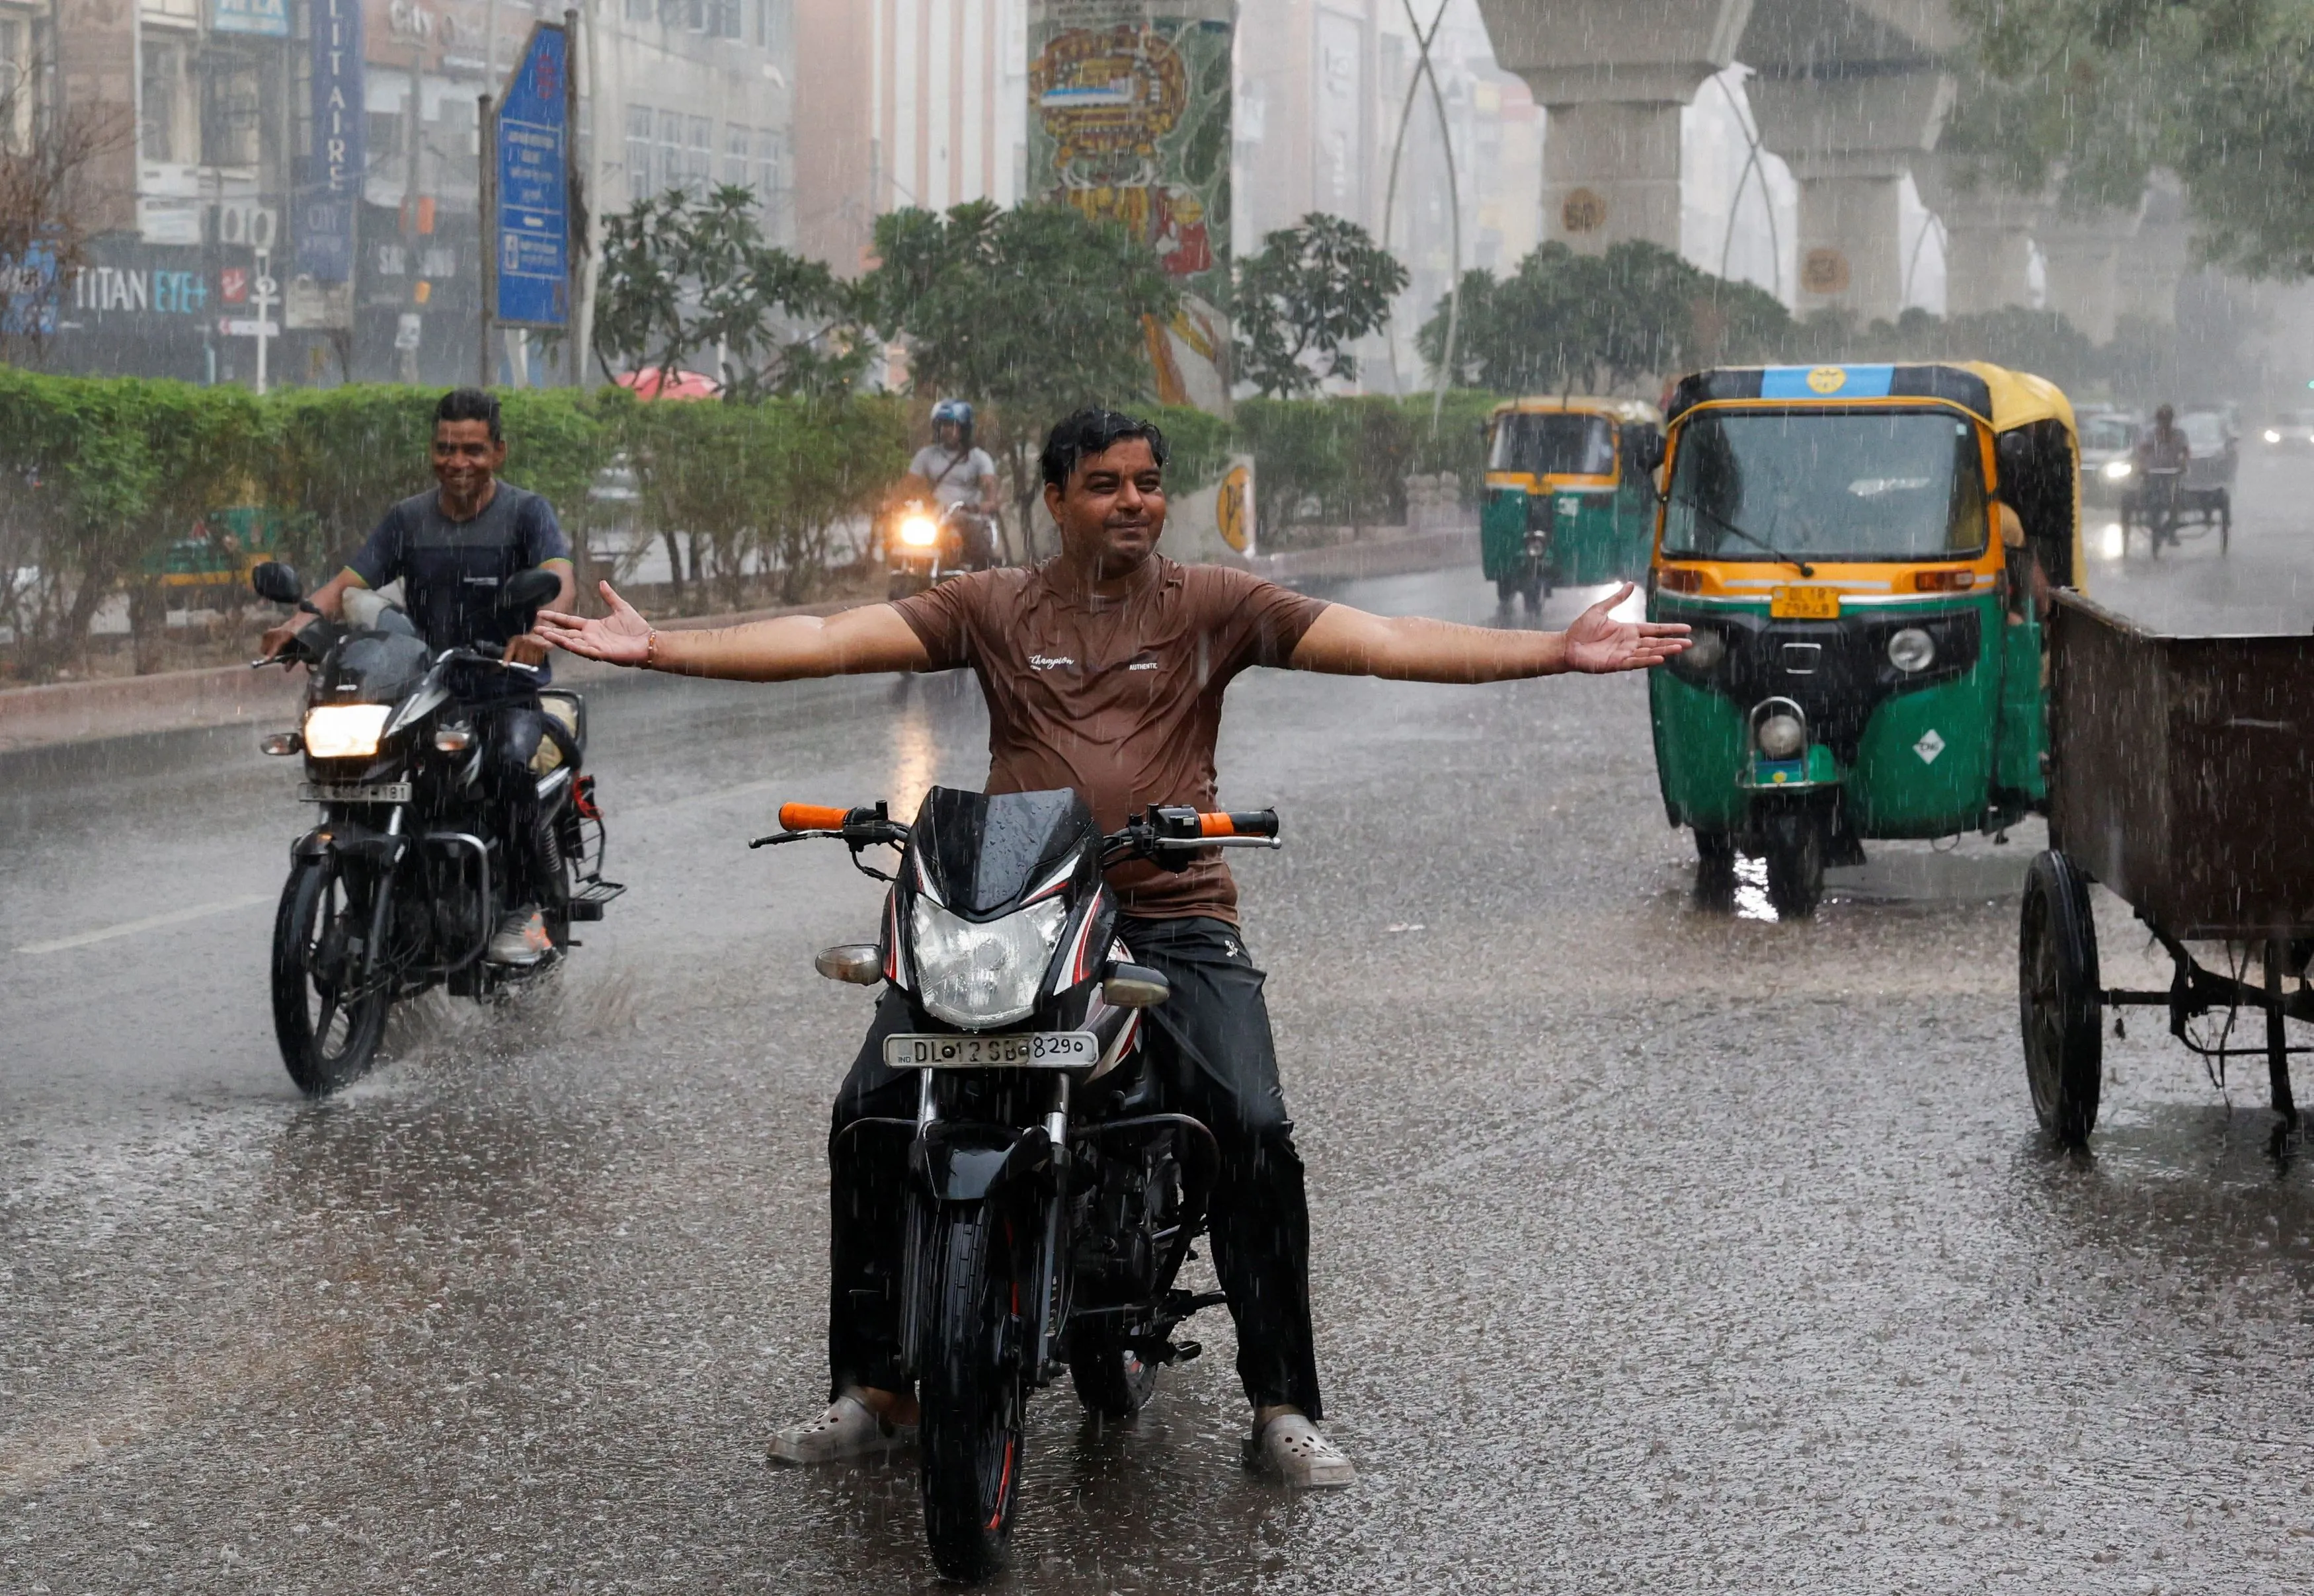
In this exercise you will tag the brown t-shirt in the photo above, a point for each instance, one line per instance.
(1118, 697)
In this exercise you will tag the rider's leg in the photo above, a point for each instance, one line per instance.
(1210, 1047)
(511, 734)
(868, 1224)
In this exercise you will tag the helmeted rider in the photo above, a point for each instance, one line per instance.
(1104, 670)
(452, 549)
(950, 471)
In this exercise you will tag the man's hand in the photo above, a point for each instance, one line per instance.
(622, 637)
(1599, 644)
(529, 649)
(277, 637)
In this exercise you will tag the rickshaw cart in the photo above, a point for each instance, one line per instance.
(2178, 772)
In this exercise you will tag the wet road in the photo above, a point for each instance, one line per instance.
(1655, 1249)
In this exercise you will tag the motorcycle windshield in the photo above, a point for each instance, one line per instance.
(983, 854)
(380, 667)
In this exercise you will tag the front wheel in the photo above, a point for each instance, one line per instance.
(2060, 1006)
(329, 994)
(1795, 850)
(972, 1388)
(1715, 868)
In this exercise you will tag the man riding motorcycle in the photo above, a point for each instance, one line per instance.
(452, 549)
(952, 474)
(1104, 670)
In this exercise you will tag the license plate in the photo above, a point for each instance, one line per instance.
(1026, 1050)
(1803, 603)
(1778, 772)
(355, 792)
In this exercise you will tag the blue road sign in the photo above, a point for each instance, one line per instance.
(329, 186)
(532, 232)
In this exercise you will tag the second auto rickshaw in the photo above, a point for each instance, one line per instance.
(1866, 660)
(1568, 502)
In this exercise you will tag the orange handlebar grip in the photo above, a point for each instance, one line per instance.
(811, 818)
(1216, 826)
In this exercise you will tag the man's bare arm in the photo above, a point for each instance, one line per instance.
(1350, 642)
(787, 649)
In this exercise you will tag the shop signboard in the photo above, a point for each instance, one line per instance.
(330, 191)
(268, 19)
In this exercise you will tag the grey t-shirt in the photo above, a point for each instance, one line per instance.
(451, 570)
(955, 478)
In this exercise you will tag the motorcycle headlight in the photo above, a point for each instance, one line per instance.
(919, 532)
(2272, 436)
(983, 975)
(2116, 469)
(1912, 649)
(344, 731)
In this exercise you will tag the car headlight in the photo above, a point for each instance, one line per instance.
(919, 532)
(344, 731)
(1705, 649)
(983, 975)
(1912, 649)
(2116, 469)
(2273, 437)
(1782, 736)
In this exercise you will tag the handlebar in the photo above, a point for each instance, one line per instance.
(1157, 832)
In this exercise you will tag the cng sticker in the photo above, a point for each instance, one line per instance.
(1829, 379)
(1928, 746)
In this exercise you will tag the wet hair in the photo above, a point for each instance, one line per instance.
(470, 404)
(1077, 439)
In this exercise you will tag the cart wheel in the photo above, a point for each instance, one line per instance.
(1795, 850)
(1715, 869)
(2225, 525)
(2060, 1005)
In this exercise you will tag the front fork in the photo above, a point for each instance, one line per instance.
(1042, 1199)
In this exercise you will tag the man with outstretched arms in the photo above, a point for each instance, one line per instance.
(452, 549)
(1104, 670)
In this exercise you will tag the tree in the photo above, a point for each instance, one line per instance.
(690, 277)
(2085, 98)
(48, 197)
(1310, 291)
(1033, 313)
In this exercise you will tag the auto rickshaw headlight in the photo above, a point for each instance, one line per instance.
(1912, 649)
(2117, 469)
(1782, 736)
(1705, 649)
(2272, 436)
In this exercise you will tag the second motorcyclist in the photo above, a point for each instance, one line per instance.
(452, 549)
(960, 477)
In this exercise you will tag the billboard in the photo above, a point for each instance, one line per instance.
(1129, 121)
(330, 187)
(528, 232)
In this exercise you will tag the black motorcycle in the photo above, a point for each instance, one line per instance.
(1050, 1205)
(399, 886)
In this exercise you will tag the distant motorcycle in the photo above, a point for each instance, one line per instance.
(925, 544)
(1050, 1205)
(401, 884)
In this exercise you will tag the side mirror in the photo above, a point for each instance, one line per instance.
(2014, 450)
(278, 582)
(527, 590)
(1647, 448)
(860, 964)
(1134, 986)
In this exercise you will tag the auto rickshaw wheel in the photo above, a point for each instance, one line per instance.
(2060, 1005)
(1505, 589)
(1715, 869)
(1793, 841)
(1532, 591)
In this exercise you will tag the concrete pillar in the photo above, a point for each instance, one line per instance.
(2085, 268)
(2159, 258)
(1989, 240)
(1612, 76)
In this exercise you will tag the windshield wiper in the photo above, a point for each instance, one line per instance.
(1753, 538)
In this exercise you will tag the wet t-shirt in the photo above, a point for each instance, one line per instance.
(451, 570)
(1120, 699)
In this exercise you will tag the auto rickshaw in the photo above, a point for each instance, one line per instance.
(1568, 502)
(1866, 655)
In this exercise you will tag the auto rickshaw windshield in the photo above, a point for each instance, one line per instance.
(1830, 485)
(1551, 444)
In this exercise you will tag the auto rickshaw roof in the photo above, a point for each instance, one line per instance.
(1627, 411)
(2007, 399)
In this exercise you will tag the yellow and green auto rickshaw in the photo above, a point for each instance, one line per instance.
(1568, 502)
(1866, 660)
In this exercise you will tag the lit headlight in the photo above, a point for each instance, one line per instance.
(344, 731)
(2273, 437)
(977, 975)
(1705, 649)
(2117, 469)
(1782, 736)
(1912, 649)
(919, 532)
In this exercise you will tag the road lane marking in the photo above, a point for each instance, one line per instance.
(151, 922)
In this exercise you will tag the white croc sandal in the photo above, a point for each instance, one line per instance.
(1293, 1448)
(848, 1429)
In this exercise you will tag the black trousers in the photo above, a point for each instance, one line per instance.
(1209, 1051)
(510, 729)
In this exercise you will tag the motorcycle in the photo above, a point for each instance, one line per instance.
(924, 544)
(401, 884)
(1050, 1204)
